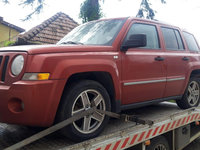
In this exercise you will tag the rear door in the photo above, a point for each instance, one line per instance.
(177, 60)
(143, 71)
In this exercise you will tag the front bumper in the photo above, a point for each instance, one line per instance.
(40, 102)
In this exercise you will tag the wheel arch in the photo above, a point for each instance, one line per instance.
(195, 73)
(104, 78)
(185, 102)
(157, 140)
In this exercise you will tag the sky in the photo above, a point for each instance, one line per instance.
(182, 13)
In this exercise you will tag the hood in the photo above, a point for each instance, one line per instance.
(43, 49)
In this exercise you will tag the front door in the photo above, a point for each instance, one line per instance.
(143, 69)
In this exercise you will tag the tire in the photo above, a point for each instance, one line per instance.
(78, 98)
(191, 96)
(158, 143)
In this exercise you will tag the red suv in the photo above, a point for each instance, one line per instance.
(114, 64)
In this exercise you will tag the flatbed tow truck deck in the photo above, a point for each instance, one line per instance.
(118, 134)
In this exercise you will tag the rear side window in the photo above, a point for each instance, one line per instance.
(149, 30)
(172, 39)
(179, 40)
(191, 43)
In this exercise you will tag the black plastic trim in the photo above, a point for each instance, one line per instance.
(4, 68)
(142, 104)
(1, 58)
(117, 106)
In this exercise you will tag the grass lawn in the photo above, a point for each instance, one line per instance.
(172, 101)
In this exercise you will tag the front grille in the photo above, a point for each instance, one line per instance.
(1, 57)
(3, 66)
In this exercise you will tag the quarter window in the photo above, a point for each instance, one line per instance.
(150, 32)
(172, 39)
(179, 40)
(191, 43)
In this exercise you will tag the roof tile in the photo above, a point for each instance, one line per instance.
(50, 31)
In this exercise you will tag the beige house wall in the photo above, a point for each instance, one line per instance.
(7, 34)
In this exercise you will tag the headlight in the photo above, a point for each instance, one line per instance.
(17, 65)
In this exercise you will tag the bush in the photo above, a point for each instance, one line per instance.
(8, 43)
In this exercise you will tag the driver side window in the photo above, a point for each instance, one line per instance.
(149, 30)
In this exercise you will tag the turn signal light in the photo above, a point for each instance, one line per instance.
(43, 76)
(36, 76)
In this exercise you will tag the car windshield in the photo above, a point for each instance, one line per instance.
(101, 32)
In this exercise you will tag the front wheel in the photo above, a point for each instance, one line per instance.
(191, 96)
(79, 98)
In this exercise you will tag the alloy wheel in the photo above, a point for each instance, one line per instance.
(193, 93)
(84, 101)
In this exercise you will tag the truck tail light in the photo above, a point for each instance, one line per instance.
(36, 76)
(197, 123)
(148, 142)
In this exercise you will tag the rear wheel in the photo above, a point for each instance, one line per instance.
(158, 143)
(191, 96)
(78, 99)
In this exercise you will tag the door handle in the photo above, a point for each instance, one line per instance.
(185, 59)
(159, 58)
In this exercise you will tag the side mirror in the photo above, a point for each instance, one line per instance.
(135, 40)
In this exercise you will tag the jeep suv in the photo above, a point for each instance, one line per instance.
(111, 64)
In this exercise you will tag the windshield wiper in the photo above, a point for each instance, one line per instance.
(72, 42)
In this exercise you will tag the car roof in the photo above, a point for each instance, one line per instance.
(145, 20)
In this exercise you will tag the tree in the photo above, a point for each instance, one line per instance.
(90, 10)
(36, 4)
(145, 9)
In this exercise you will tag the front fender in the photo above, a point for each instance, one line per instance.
(64, 65)
(71, 67)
